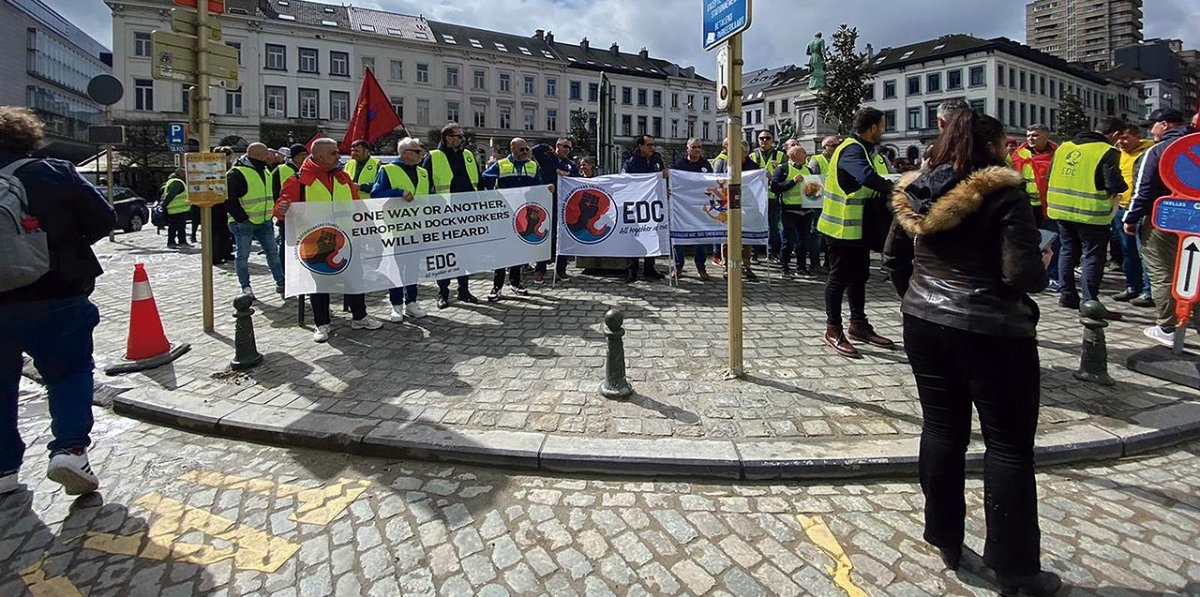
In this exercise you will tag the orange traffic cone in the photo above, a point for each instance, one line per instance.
(147, 345)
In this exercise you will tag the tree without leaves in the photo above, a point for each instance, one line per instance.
(1072, 119)
(847, 74)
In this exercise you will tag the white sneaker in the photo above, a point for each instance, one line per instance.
(366, 323)
(1158, 335)
(247, 292)
(397, 315)
(321, 334)
(72, 471)
(414, 311)
(9, 483)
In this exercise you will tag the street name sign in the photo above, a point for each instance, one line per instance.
(1178, 215)
(183, 20)
(174, 57)
(723, 19)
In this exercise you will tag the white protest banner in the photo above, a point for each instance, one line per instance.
(620, 215)
(700, 202)
(376, 244)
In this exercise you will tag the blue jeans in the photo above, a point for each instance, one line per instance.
(58, 335)
(701, 256)
(243, 234)
(1086, 245)
(1135, 275)
(400, 296)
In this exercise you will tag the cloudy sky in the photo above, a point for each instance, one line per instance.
(671, 28)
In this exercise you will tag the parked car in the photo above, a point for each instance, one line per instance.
(132, 211)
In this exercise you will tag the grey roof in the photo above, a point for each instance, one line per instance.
(756, 82)
(390, 24)
(449, 34)
(305, 13)
(953, 45)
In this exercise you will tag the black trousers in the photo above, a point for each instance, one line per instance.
(320, 307)
(798, 238)
(1001, 378)
(514, 276)
(463, 287)
(177, 228)
(631, 264)
(849, 270)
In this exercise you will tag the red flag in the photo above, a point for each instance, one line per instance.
(373, 114)
(317, 135)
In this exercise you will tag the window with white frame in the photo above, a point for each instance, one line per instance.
(276, 101)
(398, 106)
(141, 44)
(530, 85)
(505, 83)
(479, 80)
(451, 111)
(551, 119)
(451, 76)
(308, 60)
(309, 104)
(339, 64)
(551, 87)
(528, 116)
(423, 112)
(276, 57)
(506, 117)
(233, 102)
(339, 105)
(143, 95)
(422, 73)
(397, 70)
(480, 115)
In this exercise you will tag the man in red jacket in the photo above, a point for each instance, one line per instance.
(1033, 159)
(322, 179)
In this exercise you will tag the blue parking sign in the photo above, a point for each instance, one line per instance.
(176, 135)
(722, 20)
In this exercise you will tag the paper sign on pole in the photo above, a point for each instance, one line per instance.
(205, 178)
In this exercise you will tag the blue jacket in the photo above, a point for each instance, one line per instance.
(636, 164)
(1148, 186)
(74, 216)
(549, 164)
(383, 185)
(490, 179)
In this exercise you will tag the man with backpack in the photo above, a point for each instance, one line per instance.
(49, 218)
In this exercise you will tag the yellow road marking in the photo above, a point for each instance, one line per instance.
(315, 505)
(35, 579)
(249, 548)
(818, 532)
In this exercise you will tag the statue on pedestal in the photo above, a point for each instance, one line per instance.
(816, 62)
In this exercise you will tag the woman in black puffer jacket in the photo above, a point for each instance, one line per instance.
(964, 255)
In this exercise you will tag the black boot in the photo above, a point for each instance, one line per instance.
(1042, 584)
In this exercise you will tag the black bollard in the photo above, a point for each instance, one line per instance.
(615, 385)
(246, 349)
(1093, 360)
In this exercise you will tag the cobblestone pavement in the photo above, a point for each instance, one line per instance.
(188, 515)
(533, 363)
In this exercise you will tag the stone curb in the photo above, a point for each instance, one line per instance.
(1101, 439)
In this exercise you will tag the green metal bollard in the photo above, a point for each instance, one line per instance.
(246, 349)
(615, 385)
(1093, 359)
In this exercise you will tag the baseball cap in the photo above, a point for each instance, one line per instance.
(284, 151)
(297, 149)
(1165, 115)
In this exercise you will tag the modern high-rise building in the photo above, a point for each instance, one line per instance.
(1083, 31)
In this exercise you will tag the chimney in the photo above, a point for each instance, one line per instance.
(550, 37)
(583, 45)
(644, 53)
(539, 34)
(615, 49)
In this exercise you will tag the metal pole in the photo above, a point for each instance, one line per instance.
(734, 259)
(202, 121)
(112, 234)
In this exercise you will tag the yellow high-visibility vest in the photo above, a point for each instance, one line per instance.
(317, 192)
(795, 195)
(179, 204)
(399, 179)
(368, 173)
(1073, 195)
(842, 213)
(506, 168)
(443, 175)
(257, 202)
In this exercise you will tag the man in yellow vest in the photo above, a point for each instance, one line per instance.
(175, 202)
(518, 169)
(249, 206)
(404, 178)
(819, 165)
(363, 168)
(1085, 180)
(788, 183)
(322, 179)
(290, 168)
(1137, 279)
(768, 158)
(452, 169)
(856, 177)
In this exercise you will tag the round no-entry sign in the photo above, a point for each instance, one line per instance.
(1180, 166)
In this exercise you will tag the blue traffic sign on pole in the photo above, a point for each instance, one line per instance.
(176, 136)
(723, 19)
(1177, 214)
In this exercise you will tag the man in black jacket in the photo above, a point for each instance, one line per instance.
(52, 319)
(643, 160)
(554, 162)
(1158, 248)
(453, 162)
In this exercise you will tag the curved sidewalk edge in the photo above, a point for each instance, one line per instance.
(1099, 439)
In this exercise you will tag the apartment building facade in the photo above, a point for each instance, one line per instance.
(1083, 31)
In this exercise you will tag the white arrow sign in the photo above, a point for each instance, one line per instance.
(1187, 270)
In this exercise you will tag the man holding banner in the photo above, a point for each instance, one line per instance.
(643, 160)
(452, 170)
(692, 161)
(405, 179)
(517, 170)
(322, 179)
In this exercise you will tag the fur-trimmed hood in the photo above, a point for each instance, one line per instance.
(930, 202)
